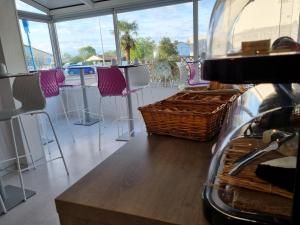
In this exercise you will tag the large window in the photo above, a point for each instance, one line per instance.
(172, 24)
(37, 45)
(87, 41)
(158, 36)
(162, 35)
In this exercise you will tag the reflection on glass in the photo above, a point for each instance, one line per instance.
(205, 10)
(281, 20)
(237, 21)
(37, 45)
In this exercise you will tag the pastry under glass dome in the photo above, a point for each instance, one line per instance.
(244, 198)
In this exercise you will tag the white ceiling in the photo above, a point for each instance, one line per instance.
(71, 9)
(56, 4)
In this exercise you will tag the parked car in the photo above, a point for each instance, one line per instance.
(73, 70)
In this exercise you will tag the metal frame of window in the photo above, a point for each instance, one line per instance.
(299, 31)
(34, 16)
(117, 37)
(196, 34)
(55, 44)
(100, 9)
(107, 7)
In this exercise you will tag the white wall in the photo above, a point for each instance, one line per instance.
(12, 50)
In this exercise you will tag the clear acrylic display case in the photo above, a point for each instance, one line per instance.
(243, 198)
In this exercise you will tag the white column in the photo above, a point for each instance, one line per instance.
(55, 44)
(117, 37)
(196, 34)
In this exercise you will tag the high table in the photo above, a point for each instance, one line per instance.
(86, 120)
(129, 104)
(12, 195)
(152, 180)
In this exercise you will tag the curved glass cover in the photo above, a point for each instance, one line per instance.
(247, 129)
(237, 23)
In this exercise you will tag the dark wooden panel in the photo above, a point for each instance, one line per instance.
(153, 180)
(273, 68)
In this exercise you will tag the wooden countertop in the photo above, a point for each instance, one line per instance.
(152, 180)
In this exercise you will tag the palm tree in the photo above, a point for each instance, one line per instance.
(127, 42)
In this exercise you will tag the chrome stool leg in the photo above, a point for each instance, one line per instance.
(117, 116)
(17, 159)
(101, 109)
(27, 143)
(57, 142)
(44, 131)
(67, 118)
(100, 121)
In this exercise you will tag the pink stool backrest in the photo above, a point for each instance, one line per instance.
(60, 77)
(111, 81)
(49, 84)
(192, 71)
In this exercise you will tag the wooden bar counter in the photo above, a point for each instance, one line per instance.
(152, 180)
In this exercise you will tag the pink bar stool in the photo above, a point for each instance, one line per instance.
(111, 83)
(50, 88)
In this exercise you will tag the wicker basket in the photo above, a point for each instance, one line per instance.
(197, 88)
(214, 98)
(195, 122)
(198, 97)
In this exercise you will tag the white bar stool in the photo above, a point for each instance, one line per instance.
(27, 90)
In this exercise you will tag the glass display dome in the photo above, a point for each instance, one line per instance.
(252, 24)
(236, 192)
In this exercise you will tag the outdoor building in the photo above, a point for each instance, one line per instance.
(183, 49)
(42, 59)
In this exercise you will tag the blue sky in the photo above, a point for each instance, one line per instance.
(173, 21)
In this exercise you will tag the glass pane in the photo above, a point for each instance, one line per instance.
(87, 41)
(25, 7)
(251, 27)
(160, 37)
(281, 21)
(205, 10)
(37, 45)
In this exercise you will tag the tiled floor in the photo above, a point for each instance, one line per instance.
(49, 180)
